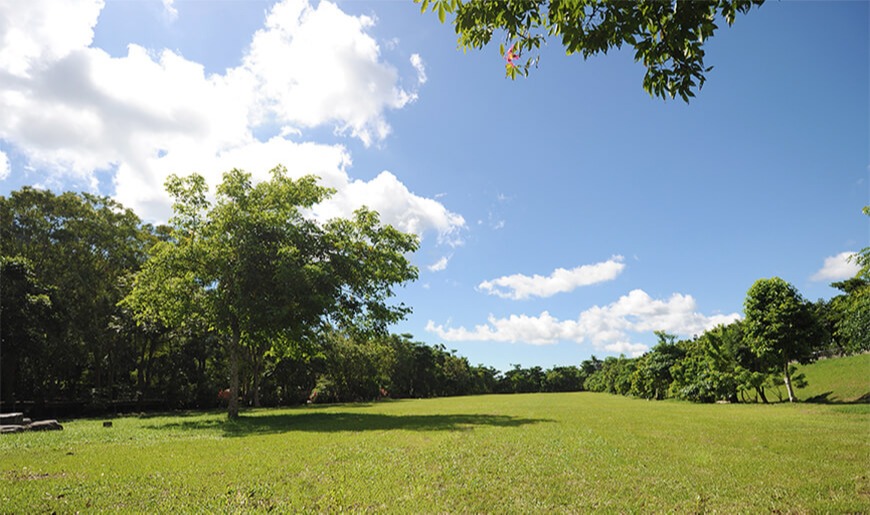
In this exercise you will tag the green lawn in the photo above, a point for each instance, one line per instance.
(571, 452)
(837, 380)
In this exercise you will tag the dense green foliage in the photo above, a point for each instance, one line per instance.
(668, 37)
(261, 276)
(64, 262)
(780, 327)
(743, 360)
(533, 453)
(848, 315)
(100, 312)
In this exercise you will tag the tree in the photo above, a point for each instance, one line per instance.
(25, 312)
(80, 247)
(780, 327)
(523, 380)
(354, 370)
(563, 379)
(254, 268)
(652, 375)
(613, 376)
(590, 366)
(708, 372)
(852, 310)
(851, 314)
(668, 37)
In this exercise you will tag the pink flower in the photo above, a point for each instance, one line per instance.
(510, 56)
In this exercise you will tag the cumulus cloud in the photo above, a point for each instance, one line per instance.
(72, 110)
(439, 265)
(396, 204)
(607, 327)
(37, 31)
(318, 65)
(5, 167)
(520, 286)
(837, 268)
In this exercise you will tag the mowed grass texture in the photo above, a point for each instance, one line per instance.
(573, 452)
(837, 380)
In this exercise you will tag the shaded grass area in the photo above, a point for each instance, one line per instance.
(573, 452)
(280, 422)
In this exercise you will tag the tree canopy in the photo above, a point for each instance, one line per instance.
(780, 326)
(668, 37)
(259, 272)
(246, 285)
(65, 259)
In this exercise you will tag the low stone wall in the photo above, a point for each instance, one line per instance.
(17, 423)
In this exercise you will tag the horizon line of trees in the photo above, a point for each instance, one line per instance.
(99, 311)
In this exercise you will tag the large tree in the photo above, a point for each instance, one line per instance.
(25, 316)
(78, 247)
(668, 37)
(850, 315)
(256, 269)
(851, 311)
(780, 327)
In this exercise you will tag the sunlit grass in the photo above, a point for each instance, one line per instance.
(511, 453)
(838, 380)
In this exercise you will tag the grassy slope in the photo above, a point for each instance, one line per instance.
(838, 380)
(512, 453)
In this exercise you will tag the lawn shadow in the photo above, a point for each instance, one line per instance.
(181, 413)
(829, 398)
(184, 413)
(349, 422)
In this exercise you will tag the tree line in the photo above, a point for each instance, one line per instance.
(244, 298)
(742, 361)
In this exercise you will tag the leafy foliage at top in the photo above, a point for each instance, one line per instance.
(668, 37)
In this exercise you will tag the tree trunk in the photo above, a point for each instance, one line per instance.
(111, 379)
(233, 404)
(257, 366)
(760, 391)
(147, 350)
(788, 385)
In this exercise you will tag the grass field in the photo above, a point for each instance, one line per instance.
(838, 380)
(574, 452)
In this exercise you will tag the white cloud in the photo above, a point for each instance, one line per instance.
(439, 265)
(520, 286)
(541, 330)
(406, 211)
(5, 167)
(837, 268)
(607, 328)
(417, 63)
(318, 65)
(169, 10)
(72, 110)
(37, 31)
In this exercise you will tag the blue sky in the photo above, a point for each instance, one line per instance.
(562, 215)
